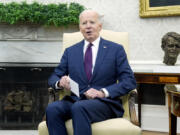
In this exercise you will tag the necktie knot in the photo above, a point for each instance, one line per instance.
(90, 45)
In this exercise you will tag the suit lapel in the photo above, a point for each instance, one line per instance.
(103, 48)
(81, 61)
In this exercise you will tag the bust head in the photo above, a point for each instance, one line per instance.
(171, 47)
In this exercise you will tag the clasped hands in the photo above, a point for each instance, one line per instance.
(90, 94)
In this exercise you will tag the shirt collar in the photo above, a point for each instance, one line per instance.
(95, 43)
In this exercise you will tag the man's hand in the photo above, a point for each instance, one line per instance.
(93, 93)
(64, 82)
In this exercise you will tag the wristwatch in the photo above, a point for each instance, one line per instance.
(58, 85)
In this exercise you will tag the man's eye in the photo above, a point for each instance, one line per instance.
(170, 46)
(84, 23)
(174, 45)
(92, 22)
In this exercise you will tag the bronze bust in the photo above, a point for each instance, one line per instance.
(171, 47)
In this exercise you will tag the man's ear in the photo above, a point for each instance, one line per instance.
(100, 26)
(80, 28)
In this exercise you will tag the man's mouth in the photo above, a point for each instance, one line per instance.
(88, 32)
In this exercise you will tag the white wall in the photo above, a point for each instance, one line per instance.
(123, 15)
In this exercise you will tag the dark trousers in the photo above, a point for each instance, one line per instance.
(82, 112)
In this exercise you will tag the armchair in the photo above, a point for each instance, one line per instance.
(128, 124)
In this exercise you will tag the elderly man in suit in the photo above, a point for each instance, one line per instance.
(101, 69)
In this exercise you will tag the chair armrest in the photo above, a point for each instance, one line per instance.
(132, 110)
(53, 95)
(57, 94)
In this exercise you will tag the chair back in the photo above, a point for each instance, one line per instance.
(117, 37)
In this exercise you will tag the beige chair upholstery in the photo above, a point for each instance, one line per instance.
(116, 126)
(117, 37)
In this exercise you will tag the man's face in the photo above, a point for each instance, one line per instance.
(90, 26)
(172, 47)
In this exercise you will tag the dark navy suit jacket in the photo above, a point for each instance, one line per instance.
(111, 71)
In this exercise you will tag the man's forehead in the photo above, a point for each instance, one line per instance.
(89, 18)
(171, 39)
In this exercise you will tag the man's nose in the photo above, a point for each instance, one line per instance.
(173, 48)
(88, 25)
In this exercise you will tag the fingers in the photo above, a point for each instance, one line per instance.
(91, 93)
(64, 82)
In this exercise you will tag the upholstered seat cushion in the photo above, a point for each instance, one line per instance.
(117, 126)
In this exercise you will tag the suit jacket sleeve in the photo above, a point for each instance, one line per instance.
(126, 81)
(60, 70)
